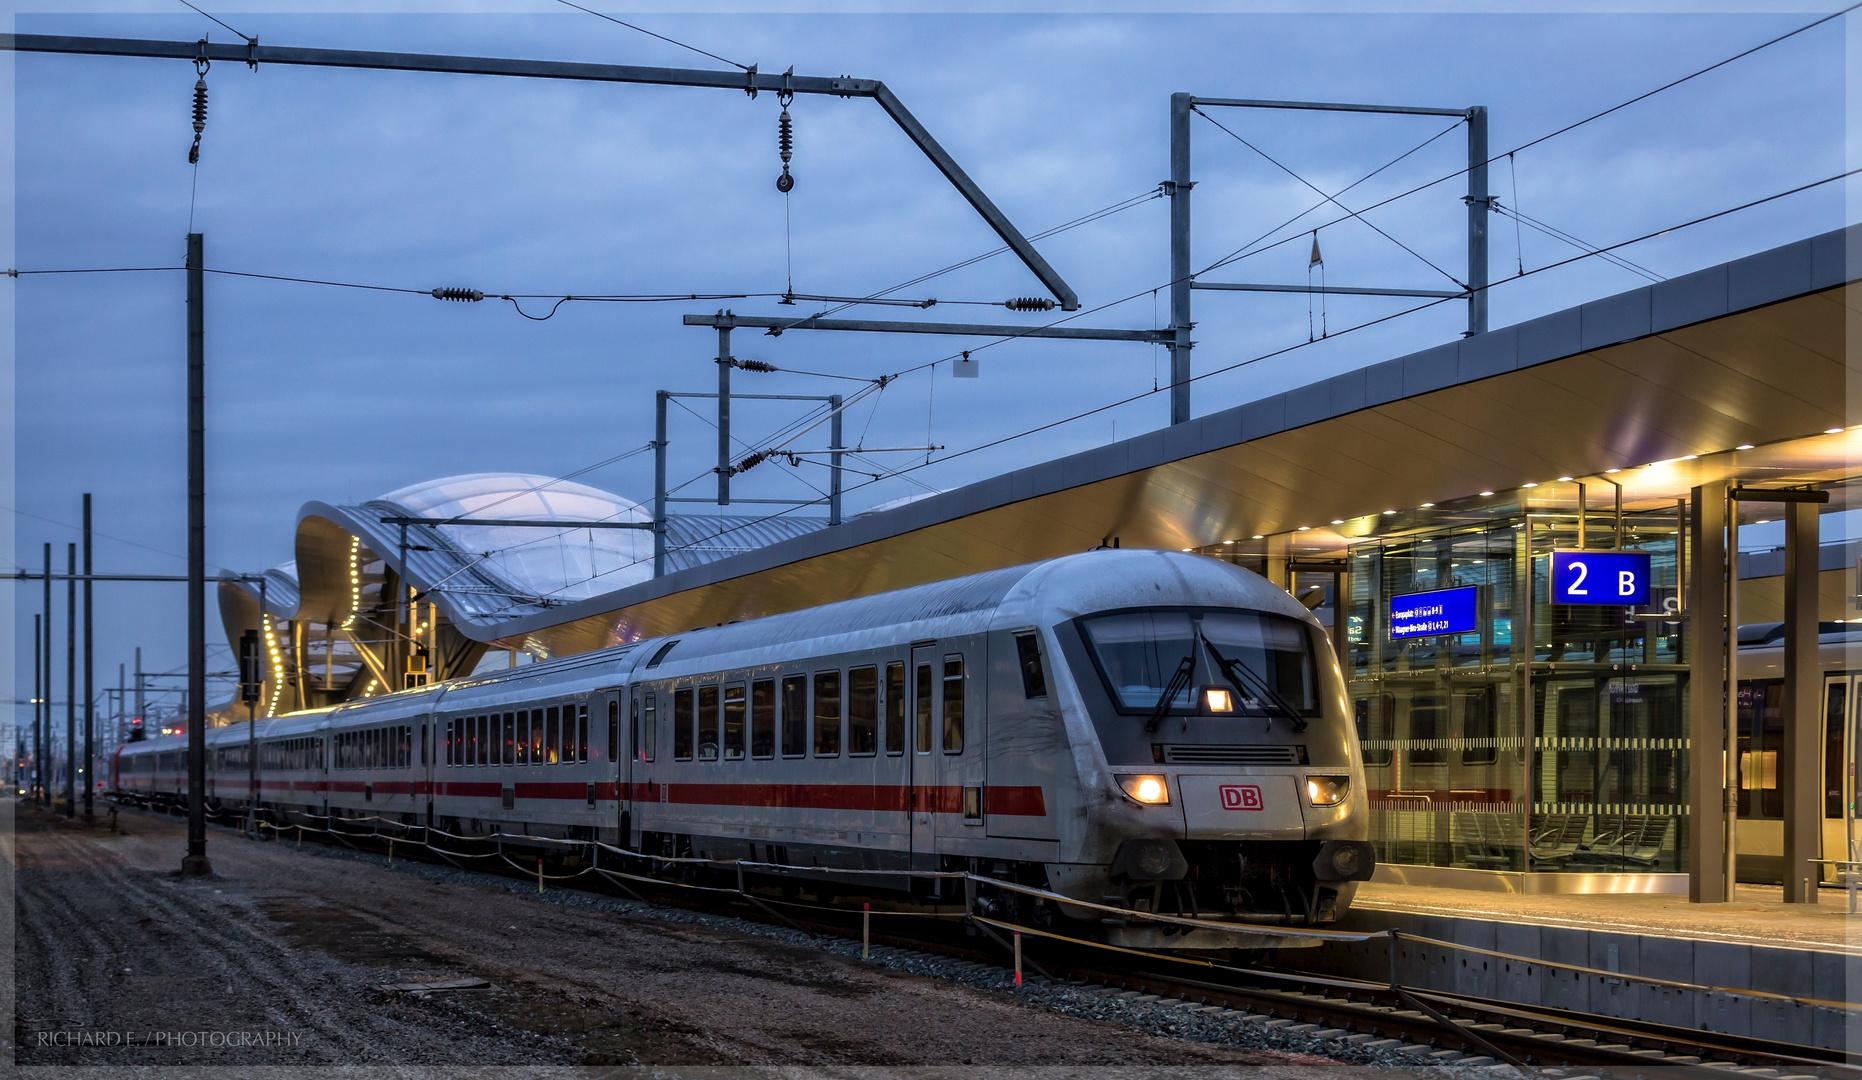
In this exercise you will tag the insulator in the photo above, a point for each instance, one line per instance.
(458, 294)
(750, 462)
(785, 144)
(1029, 303)
(200, 105)
(754, 365)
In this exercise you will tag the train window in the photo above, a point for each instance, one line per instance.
(649, 734)
(763, 718)
(552, 741)
(1835, 698)
(708, 723)
(794, 715)
(1426, 727)
(922, 707)
(614, 726)
(734, 723)
(1371, 734)
(661, 655)
(526, 732)
(895, 708)
(863, 711)
(682, 724)
(1028, 652)
(423, 744)
(953, 704)
(827, 714)
(581, 733)
(510, 739)
(1478, 728)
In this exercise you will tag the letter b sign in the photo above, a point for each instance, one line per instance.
(1600, 577)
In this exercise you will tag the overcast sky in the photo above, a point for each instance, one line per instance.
(523, 186)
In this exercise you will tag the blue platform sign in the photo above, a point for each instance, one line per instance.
(1443, 611)
(1600, 577)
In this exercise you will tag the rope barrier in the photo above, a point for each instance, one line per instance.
(1269, 930)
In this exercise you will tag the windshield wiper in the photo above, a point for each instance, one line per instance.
(1186, 670)
(1245, 678)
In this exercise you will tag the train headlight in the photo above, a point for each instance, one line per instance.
(1150, 790)
(1327, 790)
(1218, 699)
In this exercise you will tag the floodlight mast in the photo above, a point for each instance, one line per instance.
(750, 82)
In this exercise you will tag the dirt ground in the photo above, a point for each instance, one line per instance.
(277, 960)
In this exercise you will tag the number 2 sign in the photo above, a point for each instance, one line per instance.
(1600, 577)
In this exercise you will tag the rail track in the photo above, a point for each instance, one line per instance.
(1433, 1027)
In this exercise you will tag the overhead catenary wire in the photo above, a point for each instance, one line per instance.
(1244, 252)
(638, 29)
(1333, 199)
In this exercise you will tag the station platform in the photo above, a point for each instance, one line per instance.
(1724, 968)
(1758, 914)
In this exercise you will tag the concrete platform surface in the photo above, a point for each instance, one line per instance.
(1758, 915)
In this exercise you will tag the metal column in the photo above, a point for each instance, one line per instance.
(1478, 202)
(724, 411)
(659, 484)
(1798, 765)
(90, 672)
(71, 680)
(1708, 778)
(195, 862)
(45, 788)
(834, 446)
(38, 710)
(1180, 258)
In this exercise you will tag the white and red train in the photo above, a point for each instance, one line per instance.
(1142, 729)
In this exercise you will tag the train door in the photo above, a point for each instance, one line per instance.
(924, 755)
(614, 725)
(1840, 717)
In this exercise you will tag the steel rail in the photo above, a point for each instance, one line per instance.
(254, 54)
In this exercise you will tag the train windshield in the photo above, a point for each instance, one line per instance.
(1144, 655)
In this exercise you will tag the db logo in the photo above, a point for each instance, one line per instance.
(1240, 797)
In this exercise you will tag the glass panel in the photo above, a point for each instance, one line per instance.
(827, 714)
(649, 722)
(527, 749)
(1028, 652)
(953, 704)
(708, 723)
(682, 717)
(1140, 651)
(763, 718)
(614, 728)
(922, 708)
(510, 738)
(552, 737)
(1835, 696)
(895, 708)
(863, 711)
(1275, 650)
(734, 722)
(581, 733)
(794, 715)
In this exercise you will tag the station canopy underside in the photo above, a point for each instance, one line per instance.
(1653, 389)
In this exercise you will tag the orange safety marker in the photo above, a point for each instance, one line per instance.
(1018, 958)
(539, 875)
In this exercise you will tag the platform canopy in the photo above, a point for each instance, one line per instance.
(1661, 382)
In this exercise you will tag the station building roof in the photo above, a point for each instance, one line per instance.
(1660, 383)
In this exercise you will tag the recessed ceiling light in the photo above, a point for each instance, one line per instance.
(1228, 541)
(1425, 506)
(1688, 457)
(1186, 549)
(1833, 431)
(1338, 521)
(1486, 493)
(1565, 479)
(1305, 528)
(1529, 485)
(1743, 446)
(1387, 513)
(1257, 536)
(1613, 470)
